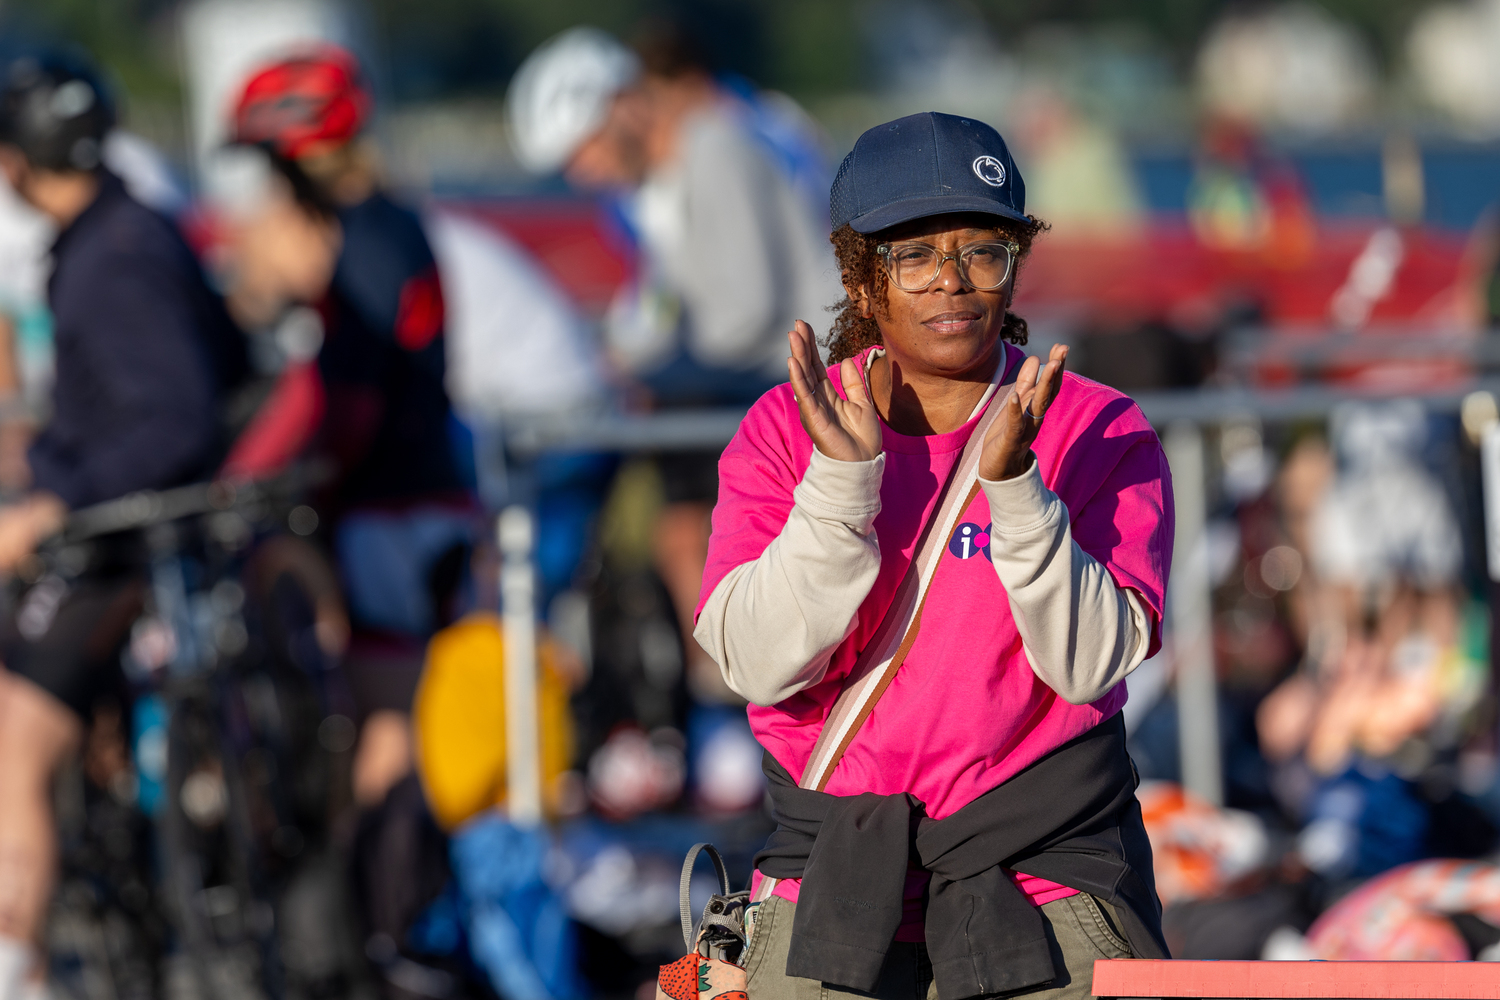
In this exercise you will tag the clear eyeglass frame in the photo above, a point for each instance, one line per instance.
(887, 251)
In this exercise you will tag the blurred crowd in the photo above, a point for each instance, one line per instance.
(1356, 708)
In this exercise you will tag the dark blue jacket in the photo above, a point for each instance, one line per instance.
(382, 361)
(144, 352)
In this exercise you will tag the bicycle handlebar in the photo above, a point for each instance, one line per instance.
(143, 509)
(147, 508)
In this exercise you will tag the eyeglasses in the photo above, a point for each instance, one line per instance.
(915, 266)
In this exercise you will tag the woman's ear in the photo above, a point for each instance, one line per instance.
(860, 296)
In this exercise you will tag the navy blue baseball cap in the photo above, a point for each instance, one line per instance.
(922, 165)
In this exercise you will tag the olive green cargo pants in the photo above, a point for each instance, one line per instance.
(1079, 928)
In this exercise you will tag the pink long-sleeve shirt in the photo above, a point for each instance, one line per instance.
(966, 711)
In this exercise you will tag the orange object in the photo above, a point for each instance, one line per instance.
(1137, 977)
(1200, 850)
(694, 977)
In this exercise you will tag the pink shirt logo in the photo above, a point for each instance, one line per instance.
(970, 540)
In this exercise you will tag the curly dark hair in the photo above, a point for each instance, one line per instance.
(859, 264)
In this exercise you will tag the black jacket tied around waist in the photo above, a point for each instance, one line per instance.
(1071, 817)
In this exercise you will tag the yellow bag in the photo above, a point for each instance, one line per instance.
(459, 720)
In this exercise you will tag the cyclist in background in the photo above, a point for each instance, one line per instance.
(732, 251)
(145, 356)
(324, 235)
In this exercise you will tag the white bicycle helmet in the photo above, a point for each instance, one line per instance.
(562, 92)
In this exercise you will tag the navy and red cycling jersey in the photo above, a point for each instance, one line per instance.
(386, 417)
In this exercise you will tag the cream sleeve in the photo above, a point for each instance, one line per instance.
(1082, 633)
(773, 623)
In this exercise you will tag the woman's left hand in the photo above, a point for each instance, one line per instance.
(1007, 446)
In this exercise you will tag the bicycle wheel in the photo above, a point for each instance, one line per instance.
(215, 886)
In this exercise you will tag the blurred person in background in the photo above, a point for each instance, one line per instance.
(1244, 199)
(1392, 664)
(732, 252)
(1085, 185)
(321, 241)
(26, 348)
(145, 356)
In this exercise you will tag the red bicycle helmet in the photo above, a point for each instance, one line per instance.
(315, 98)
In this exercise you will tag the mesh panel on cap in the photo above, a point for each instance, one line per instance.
(841, 204)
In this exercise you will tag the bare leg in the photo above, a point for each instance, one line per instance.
(15, 433)
(680, 544)
(384, 756)
(37, 732)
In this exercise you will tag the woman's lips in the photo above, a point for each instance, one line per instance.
(951, 322)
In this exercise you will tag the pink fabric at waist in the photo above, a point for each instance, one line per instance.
(913, 918)
(1039, 890)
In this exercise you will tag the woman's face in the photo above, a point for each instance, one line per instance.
(951, 327)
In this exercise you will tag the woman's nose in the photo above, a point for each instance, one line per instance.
(949, 277)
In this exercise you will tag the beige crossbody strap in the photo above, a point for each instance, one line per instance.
(882, 657)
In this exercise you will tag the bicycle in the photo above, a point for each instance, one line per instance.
(233, 746)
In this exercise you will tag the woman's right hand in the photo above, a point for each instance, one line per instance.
(845, 428)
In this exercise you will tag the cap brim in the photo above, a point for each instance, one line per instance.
(897, 212)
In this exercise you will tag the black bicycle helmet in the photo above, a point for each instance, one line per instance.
(56, 112)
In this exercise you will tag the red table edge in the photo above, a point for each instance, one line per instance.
(1140, 977)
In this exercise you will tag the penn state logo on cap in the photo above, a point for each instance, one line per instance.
(990, 170)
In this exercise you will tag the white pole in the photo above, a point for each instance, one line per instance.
(1191, 610)
(1489, 467)
(518, 597)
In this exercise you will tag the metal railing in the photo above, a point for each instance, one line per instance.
(705, 429)
(1181, 414)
